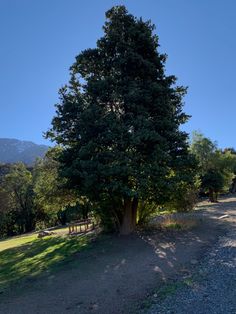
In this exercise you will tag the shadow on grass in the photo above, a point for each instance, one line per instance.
(32, 259)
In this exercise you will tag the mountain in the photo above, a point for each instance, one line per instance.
(12, 150)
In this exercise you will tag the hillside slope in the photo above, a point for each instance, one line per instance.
(13, 150)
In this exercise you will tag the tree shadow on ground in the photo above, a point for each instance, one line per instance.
(31, 259)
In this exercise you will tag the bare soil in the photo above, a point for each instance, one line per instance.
(118, 273)
(210, 286)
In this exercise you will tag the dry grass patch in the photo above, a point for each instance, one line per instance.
(173, 223)
(178, 224)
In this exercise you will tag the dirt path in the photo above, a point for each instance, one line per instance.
(211, 285)
(119, 272)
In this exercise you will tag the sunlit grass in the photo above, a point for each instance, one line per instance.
(16, 241)
(19, 240)
(27, 256)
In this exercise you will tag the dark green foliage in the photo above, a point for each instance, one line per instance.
(118, 121)
(33, 197)
(213, 181)
(16, 201)
(51, 197)
(4, 169)
(185, 195)
(73, 213)
(216, 167)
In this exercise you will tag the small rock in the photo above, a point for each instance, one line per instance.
(45, 233)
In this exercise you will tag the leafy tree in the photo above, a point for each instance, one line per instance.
(213, 181)
(18, 187)
(185, 194)
(5, 214)
(6, 219)
(51, 197)
(4, 169)
(204, 151)
(216, 167)
(233, 153)
(118, 122)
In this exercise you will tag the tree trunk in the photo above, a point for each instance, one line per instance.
(129, 217)
(233, 187)
(211, 195)
(134, 211)
(85, 211)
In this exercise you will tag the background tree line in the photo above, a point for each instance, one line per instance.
(35, 198)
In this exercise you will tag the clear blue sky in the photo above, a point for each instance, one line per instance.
(40, 39)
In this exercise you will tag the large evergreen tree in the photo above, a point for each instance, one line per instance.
(118, 121)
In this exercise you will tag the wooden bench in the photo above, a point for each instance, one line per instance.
(76, 227)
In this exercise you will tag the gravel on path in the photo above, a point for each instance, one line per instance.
(211, 287)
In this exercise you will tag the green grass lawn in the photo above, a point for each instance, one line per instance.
(27, 256)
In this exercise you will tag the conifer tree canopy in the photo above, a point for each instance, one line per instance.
(118, 121)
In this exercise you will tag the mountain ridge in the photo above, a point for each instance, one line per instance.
(13, 150)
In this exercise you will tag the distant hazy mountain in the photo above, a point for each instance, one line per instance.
(12, 150)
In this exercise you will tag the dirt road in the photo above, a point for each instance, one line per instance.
(210, 287)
